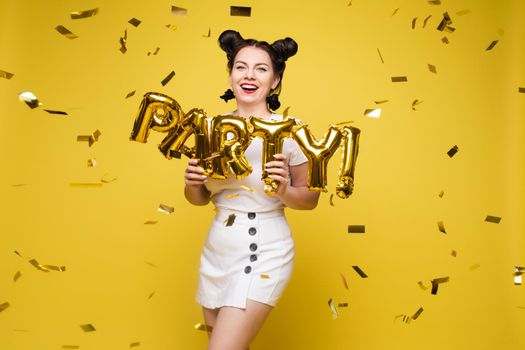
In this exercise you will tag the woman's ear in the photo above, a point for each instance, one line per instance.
(276, 82)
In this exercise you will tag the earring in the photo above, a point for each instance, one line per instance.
(273, 102)
(228, 95)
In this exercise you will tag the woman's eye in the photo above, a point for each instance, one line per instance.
(239, 67)
(261, 69)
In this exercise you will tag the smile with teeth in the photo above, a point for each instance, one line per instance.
(249, 88)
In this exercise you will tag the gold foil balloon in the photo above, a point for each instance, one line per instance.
(230, 138)
(273, 135)
(158, 112)
(349, 151)
(173, 144)
(318, 153)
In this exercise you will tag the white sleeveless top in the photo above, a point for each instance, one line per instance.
(247, 194)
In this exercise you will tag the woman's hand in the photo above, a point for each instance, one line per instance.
(194, 175)
(278, 170)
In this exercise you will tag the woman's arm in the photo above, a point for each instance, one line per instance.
(195, 191)
(294, 195)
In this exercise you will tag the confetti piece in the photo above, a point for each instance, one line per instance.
(151, 264)
(380, 56)
(415, 103)
(491, 46)
(171, 27)
(444, 22)
(404, 318)
(150, 222)
(249, 189)
(356, 228)
(179, 11)
(360, 272)
(518, 272)
(474, 266)
(436, 282)
(414, 23)
(333, 309)
(17, 276)
(4, 306)
(207, 35)
(450, 29)
(342, 305)
(441, 227)
(70, 347)
(6, 75)
(168, 78)
(445, 40)
(230, 196)
(422, 286)
(88, 327)
(131, 94)
(230, 220)
(134, 344)
(263, 276)
(332, 199)
(426, 20)
(240, 11)
(417, 314)
(123, 40)
(285, 112)
(50, 111)
(151, 295)
(493, 219)
(135, 22)
(85, 184)
(30, 99)
(91, 162)
(19, 185)
(451, 152)
(395, 11)
(91, 139)
(166, 209)
(454, 253)
(65, 32)
(522, 90)
(20, 255)
(38, 266)
(203, 327)
(380, 102)
(350, 3)
(345, 122)
(155, 52)
(434, 2)
(373, 113)
(399, 79)
(345, 283)
(463, 12)
(84, 14)
(432, 68)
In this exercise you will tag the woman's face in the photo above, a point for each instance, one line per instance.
(252, 76)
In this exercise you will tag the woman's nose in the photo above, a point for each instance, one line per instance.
(250, 73)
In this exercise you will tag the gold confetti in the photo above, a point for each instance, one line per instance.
(360, 272)
(432, 68)
(350, 3)
(263, 276)
(345, 122)
(4, 306)
(168, 78)
(230, 220)
(414, 23)
(166, 209)
(451, 152)
(474, 266)
(356, 228)
(91, 162)
(441, 227)
(50, 111)
(417, 314)
(203, 327)
(134, 344)
(333, 308)
(131, 94)
(55, 268)
(404, 318)
(155, 52)
(445, 40)
(395, 11)
(415, 103)
(151, 295)
(150, 222)
(332, 199)
(230, 196)
(241, 11)
(6, 75)
(88, 327)
(463, 12)
(91, 139)
(207, 35)
(342, 305)
(399, 79)
(123, 40)
(434, 2)
(444, 22)
(70, 346)
(522, 90)
(436, 282)
(65, 32)
(30, 99)
(518, 272)
(454, 253)
(85, 184)
(37, 265)
(17, 276)
(20, 255)
(179, 11)
(491, 46)
(285, 112)
(249, 189)
(421, 285)
(493, 219)
(135, 22)
(450, 29)
(380, 56)
(84, 14)
(345, 283)
(171, 27)
(151, 264)
(19, 185)
(426, 20)
(380, 102)
(373, 113)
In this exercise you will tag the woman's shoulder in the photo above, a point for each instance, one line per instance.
(279, 117)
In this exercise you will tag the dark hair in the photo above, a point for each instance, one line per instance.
(232, 42)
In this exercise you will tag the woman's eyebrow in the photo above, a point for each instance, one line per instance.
(257, 64)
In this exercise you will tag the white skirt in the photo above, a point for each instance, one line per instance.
(251, 259)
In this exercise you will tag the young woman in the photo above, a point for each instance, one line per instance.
(246, 266)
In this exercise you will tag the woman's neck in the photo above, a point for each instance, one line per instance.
(261, 111)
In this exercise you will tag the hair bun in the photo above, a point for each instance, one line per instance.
(229, 40)
(286, 48)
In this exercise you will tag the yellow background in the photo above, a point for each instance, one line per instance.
(99, 233)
